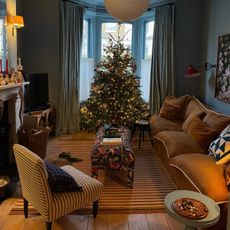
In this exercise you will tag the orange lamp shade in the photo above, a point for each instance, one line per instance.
(18, 21)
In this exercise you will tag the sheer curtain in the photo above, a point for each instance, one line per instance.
(3, 35)
(71, 40)
(86, 77)
(145, 78)
(162, 67)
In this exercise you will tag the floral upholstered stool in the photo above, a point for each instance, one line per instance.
(113, 152)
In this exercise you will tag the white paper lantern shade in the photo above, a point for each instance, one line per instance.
(126, 10)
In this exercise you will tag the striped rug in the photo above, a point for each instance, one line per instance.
(151, 182)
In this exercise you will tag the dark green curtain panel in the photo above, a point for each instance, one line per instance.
(162, 66)
(71, 16)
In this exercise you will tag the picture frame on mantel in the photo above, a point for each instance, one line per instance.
(222, 91)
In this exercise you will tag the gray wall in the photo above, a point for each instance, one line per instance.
(188, 45)
(217, 22)
(39, 46)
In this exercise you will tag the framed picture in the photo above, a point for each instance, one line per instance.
(222, 92)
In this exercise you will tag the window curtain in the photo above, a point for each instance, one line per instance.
(162, 66)
(71, 40)
(86, 77)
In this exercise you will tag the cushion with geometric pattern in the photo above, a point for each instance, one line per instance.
(220, 148)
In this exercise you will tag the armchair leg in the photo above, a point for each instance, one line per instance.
(95, 208)
(48, 225)
(25, 208)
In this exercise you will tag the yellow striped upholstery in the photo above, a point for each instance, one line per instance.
(36, 190)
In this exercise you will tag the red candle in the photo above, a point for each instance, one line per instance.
(7, 66)
(0, 65)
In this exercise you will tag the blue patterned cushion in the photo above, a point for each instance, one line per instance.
(220, 148)
(61, 181)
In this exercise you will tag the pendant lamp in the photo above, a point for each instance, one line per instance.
(126, 10)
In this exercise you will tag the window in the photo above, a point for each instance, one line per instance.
(85, 40)
(138, 36)
(146, 60)
(112, 28)
(149, 27)
(3, 39)
(86, 63)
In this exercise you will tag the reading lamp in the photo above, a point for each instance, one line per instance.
(126, 10)
(195, 71)
(16, 21)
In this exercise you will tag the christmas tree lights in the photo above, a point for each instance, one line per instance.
(115, 95)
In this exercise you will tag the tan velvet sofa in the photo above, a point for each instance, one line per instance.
(184, 152)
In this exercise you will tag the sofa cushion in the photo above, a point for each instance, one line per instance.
(170, 112)
(201, 133)
(216, 121)
(194, 105)
(220, 148)
(179, 103)
(203, 172)
(159, 124)
(197, 113)
(177, 143)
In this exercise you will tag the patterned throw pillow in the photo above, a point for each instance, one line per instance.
(61, 181)
(220, 148)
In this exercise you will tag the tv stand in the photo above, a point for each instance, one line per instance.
(40, 119)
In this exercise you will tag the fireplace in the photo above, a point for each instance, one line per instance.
(4, 134)
(11, 104)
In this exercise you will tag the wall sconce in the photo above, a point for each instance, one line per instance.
(196, 71)
(126, 10)
(16, 22)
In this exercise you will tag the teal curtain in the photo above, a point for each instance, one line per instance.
(162, 66)
(71, 39)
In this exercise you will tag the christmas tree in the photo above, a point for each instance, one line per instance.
(115, 95)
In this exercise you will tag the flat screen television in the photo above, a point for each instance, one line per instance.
(37, 92)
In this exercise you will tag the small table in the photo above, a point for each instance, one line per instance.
(115, 156)
(143, 125)
(193, 224)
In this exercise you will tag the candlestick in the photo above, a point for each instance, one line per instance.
(19, 61)
(7, 66)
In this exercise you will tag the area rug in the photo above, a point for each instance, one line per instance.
(151, 181)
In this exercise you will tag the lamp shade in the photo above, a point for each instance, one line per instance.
(18, 21)
(192, 72)
(126, 10)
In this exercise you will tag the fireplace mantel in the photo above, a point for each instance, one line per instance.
(13, 94)
(9, 92)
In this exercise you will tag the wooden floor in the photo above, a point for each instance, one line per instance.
(153, 221)
(104, 221)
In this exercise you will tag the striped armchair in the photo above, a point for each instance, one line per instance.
(36, 190)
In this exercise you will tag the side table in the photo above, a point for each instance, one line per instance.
(142, 125)
(193, 224)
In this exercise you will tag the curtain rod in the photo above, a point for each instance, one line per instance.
(72, 1)
(155, 5)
